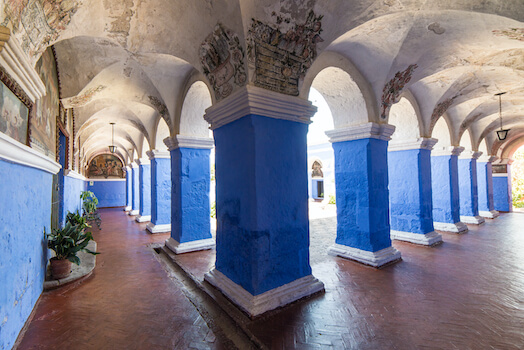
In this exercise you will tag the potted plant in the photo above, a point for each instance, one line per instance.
(89, 202)
(66, 242)
(89, 205)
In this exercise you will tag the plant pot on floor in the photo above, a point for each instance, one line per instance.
(60, 268)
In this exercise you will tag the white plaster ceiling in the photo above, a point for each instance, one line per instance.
(134, 62)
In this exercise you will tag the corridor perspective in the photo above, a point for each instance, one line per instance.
(268, 174)
(464, 294)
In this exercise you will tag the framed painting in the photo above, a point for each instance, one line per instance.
(15, 109)
(105, 166)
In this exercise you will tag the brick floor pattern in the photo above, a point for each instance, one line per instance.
(467, 293)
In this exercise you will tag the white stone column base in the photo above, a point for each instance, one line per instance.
(475, 220)
(128, 208)
(143, 218)
(457, 227)
(187, 247)
(272, 299)
(158, 228)
(430, 238)
(133, 212)
(375, 259)
(492, 214)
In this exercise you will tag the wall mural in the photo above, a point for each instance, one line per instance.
(105, 166)
(14, 115)
(38, 23)
(439, 110)
(222, 59)
(512, 33)
(393, 89)
(283, 52)
(85, 98)
(43, 126)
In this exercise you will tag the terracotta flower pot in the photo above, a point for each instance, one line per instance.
(60, 268)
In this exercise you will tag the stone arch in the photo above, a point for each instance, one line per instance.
(466, 141)
(162, 131)
(404, 117)
(348, 93)
(196, 100)
(442, 133)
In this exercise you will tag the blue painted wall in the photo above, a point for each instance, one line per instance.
(62, 160)
(361, 175)
(129, 187)
(485, 186)
(144, 177)
(262, 202)
(469, 201)
(161, 191)
(190, 174)
(410, 197)
(72, 189)
(502, 193)
(135, 189)
(445, 188)
(109, 193)
(25, 208)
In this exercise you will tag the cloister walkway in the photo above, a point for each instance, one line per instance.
(467, 293)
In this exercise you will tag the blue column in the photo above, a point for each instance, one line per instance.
(135, 190)
(485, 187)
(361, 177)
(262, 199)
(144, 171)
(160, 192)
(502, 196)
(190, 207)
(469, 203)
(410, 198)
(129, 188)
(445, 190)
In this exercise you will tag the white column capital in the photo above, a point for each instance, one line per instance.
(487, 159)
(470, 155)
(364, 131)
(447, 151)
(179, 141)
(143, 161)
(18, 65)
(156, 154)
(257, 101)
(134, 164)
(405, 145)
(128, 167)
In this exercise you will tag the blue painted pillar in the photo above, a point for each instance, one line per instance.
(485, 187)
(129, 188)
(144, 171)
(502, 195)
(410, 199)
(361, 177)
(262, 251)
(469, 203)
(135, 190)
(190, 183)
(160, 192)
(445, 190)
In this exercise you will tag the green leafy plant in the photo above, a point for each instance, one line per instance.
(332, 199)
(89, 202)
(66, 242)
(77, 220)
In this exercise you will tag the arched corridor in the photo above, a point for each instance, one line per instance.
(195, 120)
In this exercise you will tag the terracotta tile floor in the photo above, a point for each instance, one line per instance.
(467, 293)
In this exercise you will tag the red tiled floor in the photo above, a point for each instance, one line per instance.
(128, 302)
(467, 293)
